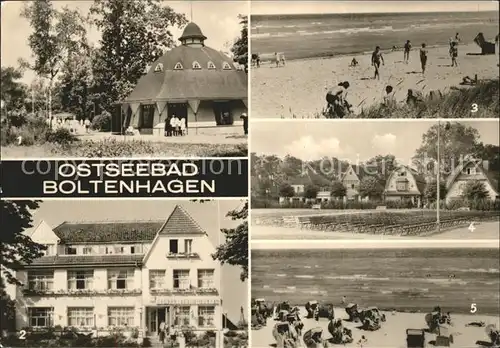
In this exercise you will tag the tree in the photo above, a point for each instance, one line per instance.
(311, 191)
(457, 141)
(240, 46)
(13, 92)
(381, 167)
(286, 190)
(235, 250)
(431, 190)
(16, 247)
(134, 35)
(370, 187)
(56, 36)
(338, 190)
(474, 190)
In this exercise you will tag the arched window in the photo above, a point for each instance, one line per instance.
(226, 66)
(178, 66)
(159, 67)
(211, 65)
(196, 65)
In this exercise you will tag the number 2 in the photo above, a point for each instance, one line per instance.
(22, 335)
(475, 108)
(473, 308)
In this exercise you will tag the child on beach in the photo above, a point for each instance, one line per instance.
(423, 58)
(454, 53)
(406, 57)
(354, 62)
(377, 58)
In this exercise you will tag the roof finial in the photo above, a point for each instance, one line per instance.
(191, 11)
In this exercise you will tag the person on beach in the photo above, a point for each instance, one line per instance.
(406, 57)
(423, 57)
(454, 53)
(377, 58)
(354, 62)
(389, 96)
(338, 106)
(277, 59)
(457, 38)
(282, 59)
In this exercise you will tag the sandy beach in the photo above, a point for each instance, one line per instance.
(486, 230)
(393, 331)
(299, 88)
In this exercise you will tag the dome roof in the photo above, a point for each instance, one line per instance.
(188, 72)
(192, 31)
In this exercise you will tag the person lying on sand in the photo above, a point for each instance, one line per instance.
(377, 58)
(423, 58)
(476, 324)
(354, 62)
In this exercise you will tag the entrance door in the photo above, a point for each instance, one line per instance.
(152, 320)
(223, 114)
(148, 114)
(178, 109)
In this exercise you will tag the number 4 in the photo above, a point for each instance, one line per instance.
(475, 108)
(473, 308)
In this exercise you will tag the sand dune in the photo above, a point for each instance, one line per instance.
(393, 331)
(299, 88)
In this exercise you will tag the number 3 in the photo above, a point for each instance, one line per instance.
(475, 108)
(473, 308)
(22, 335)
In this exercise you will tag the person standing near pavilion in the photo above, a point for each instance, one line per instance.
(244, 118)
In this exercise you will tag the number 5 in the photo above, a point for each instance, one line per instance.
(475, 108)
(473, 308)
(22, 335)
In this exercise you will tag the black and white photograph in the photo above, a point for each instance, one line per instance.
(124, 78)
(333, 294)
(375, 180)
(374, 59)
(117, 273)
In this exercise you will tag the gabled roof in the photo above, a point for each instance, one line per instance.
(310, 177)
(490, 176)
(192, 31)
(419, 178)
(107, 231)
(180, 222)
(358, 170)
(76, 261)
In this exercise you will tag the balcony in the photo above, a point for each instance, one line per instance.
(81, 292)
(186, 292)
(183, 256)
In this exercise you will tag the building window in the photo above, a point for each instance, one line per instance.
(79, 280)
(87, 250)
(183, 316)
(121, 279)
(352, 186)
(188, 246)
(181, 279)
(402, 186)
(41, 280)
(157, 279)
(226, 66)
(178, 66)
(80, 316)
(174, 246)
(402, 174)
(196, 65)
(71, 250)
(206, 316)
(206, 278)
(132, 249)
(41, 317)
(121, 316)
(471, 171)
(211, 65)
(159, 67)
(51, 250)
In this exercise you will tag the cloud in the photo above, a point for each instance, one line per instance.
(309, 148)
(384, 143)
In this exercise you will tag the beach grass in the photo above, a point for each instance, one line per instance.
(456, 103)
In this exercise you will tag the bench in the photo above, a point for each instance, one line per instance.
(316, 206)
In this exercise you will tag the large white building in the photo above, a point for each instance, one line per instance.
(122, 274)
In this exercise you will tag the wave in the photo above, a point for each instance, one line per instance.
(284, 291)
(305, 276)
(466, 270)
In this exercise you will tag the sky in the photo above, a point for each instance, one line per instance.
(350, 140)
(303, 7)
(211, 216)
(218, 23)
(370, 244)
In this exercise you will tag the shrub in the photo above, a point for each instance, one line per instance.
(61, 136)
(114, 148)
(102, 122)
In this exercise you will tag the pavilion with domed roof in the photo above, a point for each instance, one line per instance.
(191, 81)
